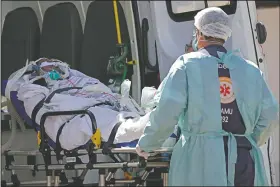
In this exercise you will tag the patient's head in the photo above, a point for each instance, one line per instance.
(47, 64)
(51, 70)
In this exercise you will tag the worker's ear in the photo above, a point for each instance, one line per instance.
(201, 36)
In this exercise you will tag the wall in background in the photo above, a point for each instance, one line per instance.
(270, 17)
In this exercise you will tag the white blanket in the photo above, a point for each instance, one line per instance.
(78, 129)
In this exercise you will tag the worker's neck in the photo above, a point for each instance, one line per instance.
(206, 44)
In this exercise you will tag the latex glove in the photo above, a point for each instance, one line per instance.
(141, 153)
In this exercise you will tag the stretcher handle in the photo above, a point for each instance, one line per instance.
(48, 99)
(64, 113)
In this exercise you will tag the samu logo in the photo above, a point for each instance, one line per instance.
(226, 90)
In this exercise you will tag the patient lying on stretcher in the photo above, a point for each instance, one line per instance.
(48, 75)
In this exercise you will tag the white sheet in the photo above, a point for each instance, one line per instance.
(78, 127)
(78, 130)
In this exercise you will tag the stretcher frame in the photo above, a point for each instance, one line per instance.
(55, 173)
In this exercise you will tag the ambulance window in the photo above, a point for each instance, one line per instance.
(186, 6)
(217, 3)
(186, 10)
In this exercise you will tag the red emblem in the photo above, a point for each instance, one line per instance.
(224, 89)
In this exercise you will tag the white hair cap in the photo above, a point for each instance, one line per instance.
(213, 22)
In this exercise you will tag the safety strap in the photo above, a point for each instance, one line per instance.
(33, 118)
(107, 146)
(36, 110)
(48, 99)
(58, 147)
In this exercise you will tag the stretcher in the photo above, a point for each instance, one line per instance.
(56, 172)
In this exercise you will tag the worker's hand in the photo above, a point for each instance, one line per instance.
(142, 153)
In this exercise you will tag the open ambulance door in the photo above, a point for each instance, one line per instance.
(170, 24)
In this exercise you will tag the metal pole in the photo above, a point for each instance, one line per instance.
(41, 167)
(76, 173)
(33, 182)
(109, 176)
(49, 180)
(56, 181)
(102, 177)
(83, 174)
(164, 177)
(120, 181)
(84, 152)
(144, 177)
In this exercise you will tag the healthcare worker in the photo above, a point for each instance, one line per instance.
(223, 107)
